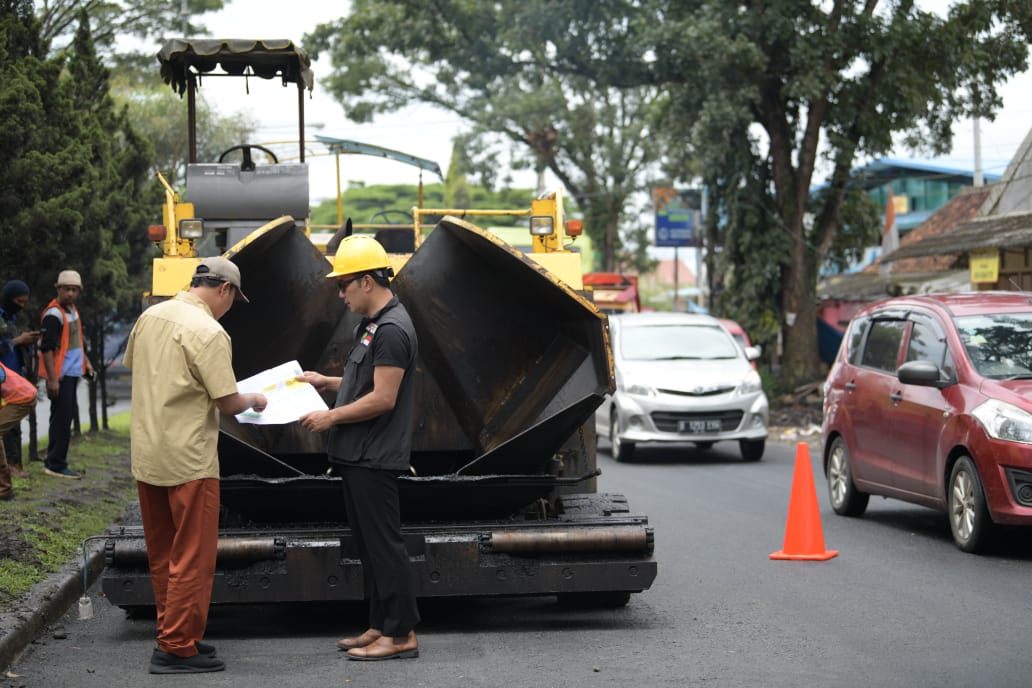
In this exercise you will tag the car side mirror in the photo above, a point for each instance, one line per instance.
(753, 352)
(923, 373)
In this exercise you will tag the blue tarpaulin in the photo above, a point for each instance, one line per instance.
(828, 341)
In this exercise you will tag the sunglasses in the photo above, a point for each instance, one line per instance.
(342, 285)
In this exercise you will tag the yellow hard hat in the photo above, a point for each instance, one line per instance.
(358, 253)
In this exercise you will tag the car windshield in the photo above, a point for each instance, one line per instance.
(676, 342)
(999, 345)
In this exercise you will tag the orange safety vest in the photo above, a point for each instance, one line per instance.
(62, 349)
(15, 389)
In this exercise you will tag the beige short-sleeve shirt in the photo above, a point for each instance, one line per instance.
(182, 361)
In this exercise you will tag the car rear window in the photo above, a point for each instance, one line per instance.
(676, 342)
(999, 345)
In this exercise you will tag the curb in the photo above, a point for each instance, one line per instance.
(47, 602)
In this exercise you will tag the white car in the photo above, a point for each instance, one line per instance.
(681, 378)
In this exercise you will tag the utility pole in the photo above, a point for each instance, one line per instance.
(979, 180)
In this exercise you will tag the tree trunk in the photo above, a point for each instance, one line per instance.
(800, 362)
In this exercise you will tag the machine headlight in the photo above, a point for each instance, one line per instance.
(750, 384)
(541, 225)
(1003, 421)
(191, 228)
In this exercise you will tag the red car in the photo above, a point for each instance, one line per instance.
(740, 336)
(930, 401)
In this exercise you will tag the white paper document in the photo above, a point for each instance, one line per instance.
(289, 399)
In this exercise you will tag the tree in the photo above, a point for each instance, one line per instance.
(112, 19)
(75, 187)
(826, 84)
(42, 158)
(495, 65)
(363, 203)
(159, 116)
(123, 196)
(156, 112)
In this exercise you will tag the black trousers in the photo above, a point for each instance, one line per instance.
(12, 445)
(62, 412)
(374, 514)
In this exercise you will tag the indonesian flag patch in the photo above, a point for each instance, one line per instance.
(367, 338)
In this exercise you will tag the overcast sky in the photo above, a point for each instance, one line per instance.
(426, 132)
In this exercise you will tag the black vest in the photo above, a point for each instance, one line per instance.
(384, 442)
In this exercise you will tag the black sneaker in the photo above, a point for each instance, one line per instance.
(164, 663)
(202, 649)
(62, 473)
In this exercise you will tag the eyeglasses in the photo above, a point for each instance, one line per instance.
(342, 285)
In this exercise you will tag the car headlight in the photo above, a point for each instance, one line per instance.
(639, 389)
(1003, 421)
(750, 384)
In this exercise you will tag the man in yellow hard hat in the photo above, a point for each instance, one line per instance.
(370, 438)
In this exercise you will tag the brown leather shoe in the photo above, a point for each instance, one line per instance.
(366, 638)
(386, 647)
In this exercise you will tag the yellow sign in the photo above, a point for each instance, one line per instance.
(901, 204)
(985, 265)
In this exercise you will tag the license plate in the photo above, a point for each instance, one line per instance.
(699, 426)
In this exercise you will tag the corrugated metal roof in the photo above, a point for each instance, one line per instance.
(870, 286)
(1013, 230)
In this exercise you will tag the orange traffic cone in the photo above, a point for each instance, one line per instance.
(804, 538)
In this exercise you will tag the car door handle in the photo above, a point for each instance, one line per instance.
(896, 396)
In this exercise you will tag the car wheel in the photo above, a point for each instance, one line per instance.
(969, 517)
(622, 451)
(704, 445)
(845, 499)
(752, 450)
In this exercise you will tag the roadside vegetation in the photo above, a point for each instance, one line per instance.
(45, 523)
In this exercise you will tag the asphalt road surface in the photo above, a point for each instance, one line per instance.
(899, 606)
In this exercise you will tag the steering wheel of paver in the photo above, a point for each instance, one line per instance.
(248, 163)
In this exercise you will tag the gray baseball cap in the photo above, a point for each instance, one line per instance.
(224, 271)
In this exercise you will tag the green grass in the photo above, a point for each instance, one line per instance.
(49, 517)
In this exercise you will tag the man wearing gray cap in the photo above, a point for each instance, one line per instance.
(182, 365)
(62, 362)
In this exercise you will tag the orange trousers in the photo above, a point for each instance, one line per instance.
(181, 529)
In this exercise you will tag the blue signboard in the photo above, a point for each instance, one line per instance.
(677, 216)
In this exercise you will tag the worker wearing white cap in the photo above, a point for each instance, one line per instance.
(63, 361)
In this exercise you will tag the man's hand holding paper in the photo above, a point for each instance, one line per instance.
(288, 397)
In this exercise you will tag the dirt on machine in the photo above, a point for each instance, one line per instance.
(513, 361)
